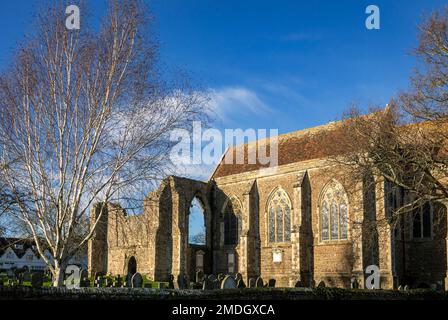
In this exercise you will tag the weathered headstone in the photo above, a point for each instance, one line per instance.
(199, 276)
(240, 284)
(238, 276)
(321, 285)
(99, 282)
(98, 274)
(84, 279)
(208, 284)
(118, 282)
(171, 282)
(37, 280)
(20, 278)
(182, 281)
(354, 283)
(137, 280)
(228, 283)
(252, 282)
(271, 283)
(108, 282)
(259, 282)
(128, 281)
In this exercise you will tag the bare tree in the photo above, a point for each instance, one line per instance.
(85, 118)
(406, 143)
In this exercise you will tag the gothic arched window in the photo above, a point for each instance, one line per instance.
(279, 217)
(422, 224)
(232, 224)
(333, 212)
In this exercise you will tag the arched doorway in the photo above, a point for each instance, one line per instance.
(196, 223)
(132, 266)
(197, 239)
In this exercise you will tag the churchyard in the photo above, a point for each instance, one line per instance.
(38, 285)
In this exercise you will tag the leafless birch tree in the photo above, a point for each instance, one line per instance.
(85, 117)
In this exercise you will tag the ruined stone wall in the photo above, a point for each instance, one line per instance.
(158, 238)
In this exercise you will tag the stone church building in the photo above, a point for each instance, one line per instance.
(304, 220)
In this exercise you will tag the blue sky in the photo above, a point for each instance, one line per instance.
(286, 65)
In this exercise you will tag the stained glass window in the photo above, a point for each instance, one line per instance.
(271, 225)
(325, 221)
(279, 217)
(343, 221)
(287, 224)
(334, 217)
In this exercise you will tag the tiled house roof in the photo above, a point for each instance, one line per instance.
(18, 245)
(313, 143)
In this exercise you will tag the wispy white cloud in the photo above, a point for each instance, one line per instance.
(230, 102)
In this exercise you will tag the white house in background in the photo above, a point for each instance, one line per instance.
(22, 254)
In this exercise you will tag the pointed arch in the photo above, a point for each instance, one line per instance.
(333, 212)
(231, 213)
(278, 216)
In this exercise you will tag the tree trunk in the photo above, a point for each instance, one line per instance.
(58, 274)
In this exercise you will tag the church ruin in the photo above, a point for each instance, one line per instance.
(300, 222)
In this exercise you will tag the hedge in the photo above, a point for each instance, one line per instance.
(51, 293)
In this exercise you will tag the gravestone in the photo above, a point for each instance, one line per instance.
(171, 282)
(37, 280)
(98, 274)
(271, 283)
(214, 281)
(118, 282)
(20, 278)
(137, 280)
(354, 283)
(11, 282)
(228, 283)
(259, 282)
(182, 281)
(128, 281)
(108, 282)
(252, 282)
(321, 285)
(99, 282)
(406, 288)
(240, 284)
(208, 284)
(212, 277)
(199, 276)
(84, 278)
(238, 276)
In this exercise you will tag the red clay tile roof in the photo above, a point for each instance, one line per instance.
(302, 145)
